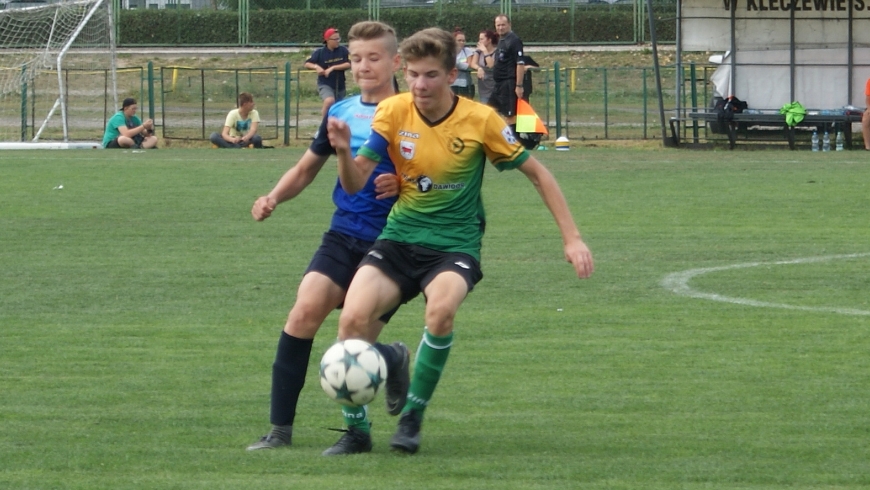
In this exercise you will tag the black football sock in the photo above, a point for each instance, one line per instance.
(282, 432)
(288, 377)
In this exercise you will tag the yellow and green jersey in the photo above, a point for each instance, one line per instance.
(441, 166)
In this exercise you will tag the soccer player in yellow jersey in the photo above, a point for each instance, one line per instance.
(439, 144)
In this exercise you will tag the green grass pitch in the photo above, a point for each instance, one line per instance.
(140, 307)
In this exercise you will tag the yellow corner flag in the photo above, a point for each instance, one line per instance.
(527, 120)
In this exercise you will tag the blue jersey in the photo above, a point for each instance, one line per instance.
(359, 215)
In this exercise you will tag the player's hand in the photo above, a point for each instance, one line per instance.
(339, 134)
(263, 208)
(579, 255)
(386, 186)
(519, 91)
(480, 73)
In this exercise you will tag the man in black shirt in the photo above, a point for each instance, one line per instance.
(508, 71)
(330, 62)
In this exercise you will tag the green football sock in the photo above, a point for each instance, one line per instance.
(430, 361)
(357, 418)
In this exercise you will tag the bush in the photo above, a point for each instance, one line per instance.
(178, 27)
(534, 25)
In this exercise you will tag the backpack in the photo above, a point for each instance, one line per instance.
(726, 108)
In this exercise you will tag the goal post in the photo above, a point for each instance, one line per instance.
(58, 79)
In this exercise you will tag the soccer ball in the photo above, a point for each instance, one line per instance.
(352, 371)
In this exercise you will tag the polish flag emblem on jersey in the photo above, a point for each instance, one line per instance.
(407, 149)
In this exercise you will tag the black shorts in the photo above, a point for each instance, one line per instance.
(338, 257)
(504, 97)
(413, 267)
(137, 142)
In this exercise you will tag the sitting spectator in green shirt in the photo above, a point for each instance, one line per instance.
(125, 130)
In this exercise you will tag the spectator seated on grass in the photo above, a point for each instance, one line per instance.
(126, 130)
(240, 128)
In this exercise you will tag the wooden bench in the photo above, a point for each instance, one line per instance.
(833, 122)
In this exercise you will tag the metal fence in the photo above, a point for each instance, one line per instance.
(88, 98)
(604, 103)
(591, 104)
(189, 103)
(194, 101)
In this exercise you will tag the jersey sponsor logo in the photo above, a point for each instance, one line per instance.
(408, 134)
(449, 187)
(407, 149)
(508, 135)
(424, 184)
(457, 145)
(360, 115)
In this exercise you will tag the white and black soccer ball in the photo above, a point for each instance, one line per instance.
(352, 372)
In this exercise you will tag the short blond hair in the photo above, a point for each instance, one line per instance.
(372, 29)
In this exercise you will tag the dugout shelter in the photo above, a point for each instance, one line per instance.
(816, 52)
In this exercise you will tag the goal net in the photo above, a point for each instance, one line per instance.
(57, 72)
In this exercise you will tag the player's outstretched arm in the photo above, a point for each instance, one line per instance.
(353, 173)
(576, 251)
(292, 183)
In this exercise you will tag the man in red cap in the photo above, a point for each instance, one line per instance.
(330, 62)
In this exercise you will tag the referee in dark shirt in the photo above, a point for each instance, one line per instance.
(508, 71)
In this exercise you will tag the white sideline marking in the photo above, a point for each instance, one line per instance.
(678, 282)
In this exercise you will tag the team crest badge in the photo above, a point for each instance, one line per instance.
(407, 148)
(509, 135)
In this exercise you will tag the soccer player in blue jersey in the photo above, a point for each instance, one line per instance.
(439, 144)
(356, 223)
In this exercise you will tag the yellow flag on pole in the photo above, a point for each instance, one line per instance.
(527, 120)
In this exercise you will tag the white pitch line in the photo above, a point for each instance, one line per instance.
(678, 282)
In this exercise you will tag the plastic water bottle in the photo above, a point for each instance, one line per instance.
(839, 141)
(826, 142)
(815, 140)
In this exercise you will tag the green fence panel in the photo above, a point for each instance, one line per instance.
(189, 103)
(195, 101)
(88, 98)
(607, 103)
